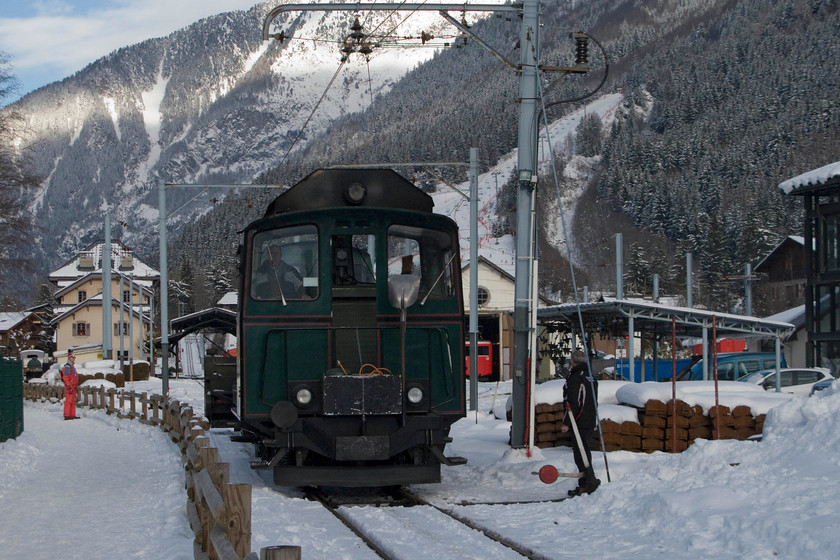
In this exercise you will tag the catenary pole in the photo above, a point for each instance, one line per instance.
(107, 328)
(122, 324)
(474, 280)
(527, 166)
(131, 327)
(164, 292)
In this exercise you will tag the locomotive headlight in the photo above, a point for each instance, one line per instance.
(415, 395)
(303, 396)
(355, 193)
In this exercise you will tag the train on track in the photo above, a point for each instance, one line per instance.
(351, 332)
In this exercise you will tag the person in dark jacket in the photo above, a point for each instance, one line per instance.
(581, 397)
(284, 280)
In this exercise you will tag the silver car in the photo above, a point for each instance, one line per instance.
(793, 380)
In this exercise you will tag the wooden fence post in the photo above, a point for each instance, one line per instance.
(237, 499)
(280, 553)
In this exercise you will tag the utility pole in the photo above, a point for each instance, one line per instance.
(107, 327)
(525, 199)
(164, 293)
(474, 280)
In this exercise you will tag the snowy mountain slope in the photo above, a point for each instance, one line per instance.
(501, 251)
(211, 103)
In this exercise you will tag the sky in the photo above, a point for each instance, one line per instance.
(775, 498)
(48, 40)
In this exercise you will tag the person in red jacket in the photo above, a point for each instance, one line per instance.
(71, 382)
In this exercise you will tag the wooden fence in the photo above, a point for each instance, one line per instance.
(219, 512)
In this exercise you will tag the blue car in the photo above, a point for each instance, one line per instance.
(732, 366)
(820, 385)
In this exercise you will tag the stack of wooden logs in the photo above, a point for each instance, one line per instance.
(656, 428)
(549, 418)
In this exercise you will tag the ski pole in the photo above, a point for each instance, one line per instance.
(600, 432)
(577, 438)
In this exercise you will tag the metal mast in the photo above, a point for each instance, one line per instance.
(525, 249)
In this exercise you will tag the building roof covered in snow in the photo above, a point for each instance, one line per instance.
(123, 261)
(815, 179)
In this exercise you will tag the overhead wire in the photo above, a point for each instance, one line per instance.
(385, 37)
(201, 192)
(569, 259)
(329, 85)
(312, 113)
(368, 57)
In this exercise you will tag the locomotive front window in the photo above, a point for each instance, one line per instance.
(354, 259)
(285, 264)
(428, 254)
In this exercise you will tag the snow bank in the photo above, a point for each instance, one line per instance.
(551, 392)
(618, 413)
(609, 408)
(616, 399)
(99, 383)
(730, 393)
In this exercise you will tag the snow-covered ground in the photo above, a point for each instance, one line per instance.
(103, 487)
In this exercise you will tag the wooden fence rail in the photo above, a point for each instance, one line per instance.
(219, 512)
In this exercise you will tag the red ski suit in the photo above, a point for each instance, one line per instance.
(71, 382)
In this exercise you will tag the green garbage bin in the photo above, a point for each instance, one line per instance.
(11, 399)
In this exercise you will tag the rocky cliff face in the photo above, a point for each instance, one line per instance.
(211, 103)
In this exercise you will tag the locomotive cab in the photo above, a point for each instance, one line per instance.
(351, 368)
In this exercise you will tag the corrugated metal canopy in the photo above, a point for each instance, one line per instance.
(215, 319)
(611, 318)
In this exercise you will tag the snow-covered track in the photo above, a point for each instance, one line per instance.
(388, 521)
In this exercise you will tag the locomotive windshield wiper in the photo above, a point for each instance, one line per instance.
(277, 278)
(423, 301)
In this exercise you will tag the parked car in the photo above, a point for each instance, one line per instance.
(820, 385)
(732, 366)
(798, 381)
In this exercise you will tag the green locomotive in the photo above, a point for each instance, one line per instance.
(351, 332)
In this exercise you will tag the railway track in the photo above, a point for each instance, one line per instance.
(397, 524)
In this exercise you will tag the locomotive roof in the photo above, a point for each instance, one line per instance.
(334, 188)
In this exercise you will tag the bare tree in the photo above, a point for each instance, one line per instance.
(17, 182)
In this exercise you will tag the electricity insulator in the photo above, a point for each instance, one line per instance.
(365, 49)
(581, 49)
(280, 36)
(426, 37)
(357, 30)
